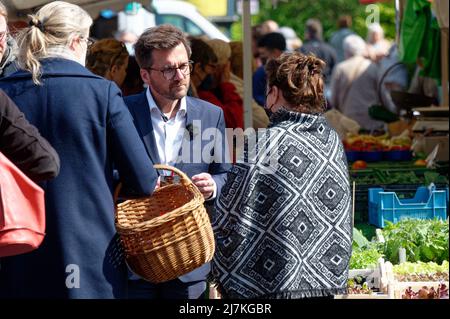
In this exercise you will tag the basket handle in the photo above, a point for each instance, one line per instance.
(184, 178)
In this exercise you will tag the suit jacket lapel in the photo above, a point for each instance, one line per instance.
(192, 115)
(144, 124)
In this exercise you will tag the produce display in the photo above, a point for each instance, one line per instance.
(376, 148)
(377, 143)
(364, 175)
(358, 285)
(363, 258)
(365, 254)
(427, 293)
(421, 271)
(427, 250)
(423, 240)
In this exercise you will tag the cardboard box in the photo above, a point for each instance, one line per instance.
(431, 141)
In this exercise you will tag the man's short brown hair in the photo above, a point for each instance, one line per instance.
(162, 37)
(300, 79)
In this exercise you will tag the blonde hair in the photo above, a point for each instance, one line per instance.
(237, 53)
(104, 54)
(3, 11)
(55, 24)
(222, 50)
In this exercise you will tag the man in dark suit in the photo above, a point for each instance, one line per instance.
(177, 131)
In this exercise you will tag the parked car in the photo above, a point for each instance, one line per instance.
(186, 17)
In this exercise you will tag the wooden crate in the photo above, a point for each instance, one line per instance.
(395, 288)
(362, 296)
(376, 278)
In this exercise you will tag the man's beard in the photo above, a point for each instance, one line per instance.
(175, 89)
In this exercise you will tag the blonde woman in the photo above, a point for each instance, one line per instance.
(85, 119)
(109, 59)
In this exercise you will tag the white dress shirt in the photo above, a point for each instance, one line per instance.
(169, 133)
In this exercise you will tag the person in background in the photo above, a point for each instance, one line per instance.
(85, 119)
(133, 83)
(260, 118)
(210, 81)
(270, 46)
(354, 84)
(256, 35)
(293, 42)
(162, 115)
(23, 145)
(315, 45)
(269, 26)
(377, 45)
(424, 85)
(394, 76)
(283, 227)
(8, 46)
(128, 38)
(225, 86)
(223, 51)
(337, 38)
(109, 59)
(236, 58)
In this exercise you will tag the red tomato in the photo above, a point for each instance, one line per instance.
(359, 165)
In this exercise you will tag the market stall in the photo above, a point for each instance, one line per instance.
(400, 175)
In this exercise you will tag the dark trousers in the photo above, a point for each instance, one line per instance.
(173, 289)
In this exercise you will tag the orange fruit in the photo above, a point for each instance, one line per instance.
(420, 162)
(359, 165)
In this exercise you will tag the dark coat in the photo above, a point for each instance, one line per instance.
(85, 119)
(323, 51)
(210, 116)
(23, 145)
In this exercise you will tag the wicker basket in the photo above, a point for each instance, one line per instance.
(167, 234)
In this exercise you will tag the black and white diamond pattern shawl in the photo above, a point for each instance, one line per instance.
(286, 232)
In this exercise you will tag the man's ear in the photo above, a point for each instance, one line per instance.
(145, 75)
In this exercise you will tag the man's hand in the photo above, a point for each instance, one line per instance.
(205, 184)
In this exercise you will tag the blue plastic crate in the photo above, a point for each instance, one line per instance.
(428, 203)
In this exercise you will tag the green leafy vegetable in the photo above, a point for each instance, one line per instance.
(424, 240)
(364, 258)
(359, 240)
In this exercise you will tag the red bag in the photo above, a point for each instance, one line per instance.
(22, 211)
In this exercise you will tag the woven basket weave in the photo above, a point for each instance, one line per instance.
(167, 234)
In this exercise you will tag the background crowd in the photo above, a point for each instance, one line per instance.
(108, 110)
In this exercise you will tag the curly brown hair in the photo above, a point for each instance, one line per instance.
(104, 54)
(300, 79)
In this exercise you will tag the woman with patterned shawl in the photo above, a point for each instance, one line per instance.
(283, 220)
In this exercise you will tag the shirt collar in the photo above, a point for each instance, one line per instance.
(153, 107)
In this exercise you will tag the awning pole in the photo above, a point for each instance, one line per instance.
(444, 57)
(248, 57)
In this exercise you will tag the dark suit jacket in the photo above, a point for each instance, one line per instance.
(197, 111)
(84, 118)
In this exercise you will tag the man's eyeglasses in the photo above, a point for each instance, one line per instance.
(169, 73)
